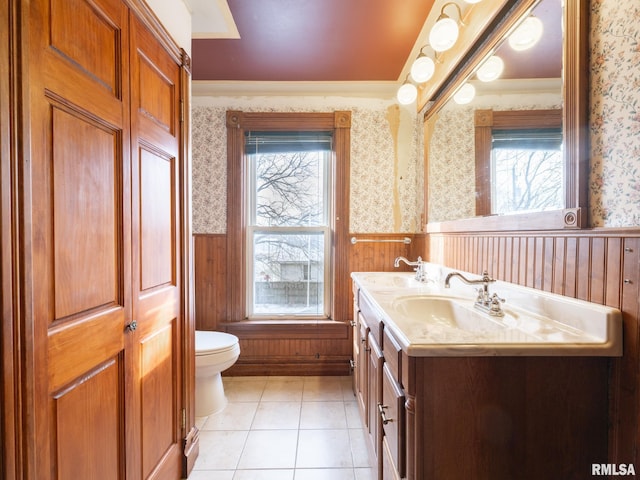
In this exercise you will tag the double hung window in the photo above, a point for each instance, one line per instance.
(288, 230)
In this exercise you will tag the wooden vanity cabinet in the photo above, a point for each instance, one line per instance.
(483, 417)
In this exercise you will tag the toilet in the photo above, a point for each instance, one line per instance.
(215, 352)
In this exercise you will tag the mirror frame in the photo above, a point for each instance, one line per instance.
(575, 120)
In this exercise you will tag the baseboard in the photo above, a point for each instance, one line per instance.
(289, 369)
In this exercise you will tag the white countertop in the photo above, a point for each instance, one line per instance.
(535, 323)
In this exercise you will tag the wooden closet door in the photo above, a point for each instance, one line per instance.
(103, 368)
(154, 362)
(77, 239)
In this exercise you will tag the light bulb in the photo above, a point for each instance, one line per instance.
(527, 34)
(465, 94)
(491, 69)
(422, 69)
(407, 93)
(443, 34)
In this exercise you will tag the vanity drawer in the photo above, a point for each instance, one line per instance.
(371, 317)
(392, 413)
(392, 354)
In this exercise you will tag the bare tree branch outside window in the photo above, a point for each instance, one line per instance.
(527, 180)
(289, 230)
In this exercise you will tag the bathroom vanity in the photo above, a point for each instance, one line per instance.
(450, 393)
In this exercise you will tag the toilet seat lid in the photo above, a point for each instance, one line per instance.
(210, 342)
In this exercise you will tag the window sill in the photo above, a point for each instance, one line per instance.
(283, 328)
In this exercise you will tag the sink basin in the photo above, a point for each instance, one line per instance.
(446, 312)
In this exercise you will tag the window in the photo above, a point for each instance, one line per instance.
(520, 165)
(244, 232)
(288, 233)
(527, 170)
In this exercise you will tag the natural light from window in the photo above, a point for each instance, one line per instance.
(527, 171)
(288, 224)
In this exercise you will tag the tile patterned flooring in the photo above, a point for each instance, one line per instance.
(284, 428)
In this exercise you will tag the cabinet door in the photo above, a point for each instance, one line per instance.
(375, 393)
(362, 363)
(154, 349)
(393, 420)
(77, 240)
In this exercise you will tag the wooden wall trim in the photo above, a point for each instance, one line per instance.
(341, 306)
(190, 444)
(10, 408)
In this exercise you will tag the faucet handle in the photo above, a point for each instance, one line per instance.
(495, 307)
(486, 277)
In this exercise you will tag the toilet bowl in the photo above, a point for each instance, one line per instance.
(215, 352)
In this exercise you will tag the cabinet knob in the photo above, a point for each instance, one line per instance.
(132, 326)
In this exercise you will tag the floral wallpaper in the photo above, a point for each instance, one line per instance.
(384, 160)
(452, 166)
(615, 114)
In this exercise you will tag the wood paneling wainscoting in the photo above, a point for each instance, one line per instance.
(286, 347)
(598, 265)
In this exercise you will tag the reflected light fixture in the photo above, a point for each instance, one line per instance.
(445, 31)
(465, 94)
(407, 93)
(472, 1)
(423, 67)
(491, 69)
(527, 34)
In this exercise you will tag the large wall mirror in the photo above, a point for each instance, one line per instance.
(515, 155)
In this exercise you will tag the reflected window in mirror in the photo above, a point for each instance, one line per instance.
(519, 161)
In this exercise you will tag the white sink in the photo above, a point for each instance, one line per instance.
(446, 311)
(429, 320)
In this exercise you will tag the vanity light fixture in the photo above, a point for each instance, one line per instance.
(472, 1)
(527, 34)
(491, 69)
(465, 94)
(445, 31)
(407, 93)
(423, 67)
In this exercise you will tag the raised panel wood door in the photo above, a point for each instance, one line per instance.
(79, 238)
(100, 251)
(155, 346)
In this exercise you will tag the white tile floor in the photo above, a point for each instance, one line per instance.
(284, 428)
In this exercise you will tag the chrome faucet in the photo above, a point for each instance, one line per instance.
(484, 301)
(421, 274)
